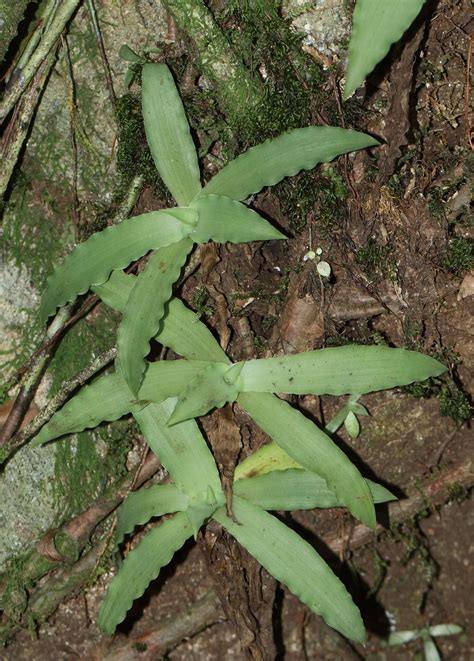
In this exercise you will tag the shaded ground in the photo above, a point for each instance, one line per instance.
(395, 228)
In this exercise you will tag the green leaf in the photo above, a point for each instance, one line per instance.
(313, 449)
(352, 425)
(291, 560)
(284, 156)
(181, 329)
(140, 506)
(216, 385)
(141, 566)
(430, 650)
(109, 398)
(337, 371)
(182, 450)
(91, 262)
(168, 135)
(445, 630)
(127, 54)
(376, 25)
(296, 489)
(224, 220)
(402, 637)
(145, 308)
(268, 458)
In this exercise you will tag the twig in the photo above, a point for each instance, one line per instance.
(155, 644)
(467, 94)
(100, 46)
(55, 402)
(20, 122)
(433, 493)
(20, 79)
(31, 381)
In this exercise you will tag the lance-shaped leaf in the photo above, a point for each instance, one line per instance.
(141, 566)
(91, 262)
(109, 398)
(296, 489)
(338, 371)
(142, 505)
(224, 220)
(145, 308)
(167, 132)
(271, 457)
(180, 329)
(376, 25)
(313, 450)
(291, 560)
(182, 450)
(216, 385)
(284, 156)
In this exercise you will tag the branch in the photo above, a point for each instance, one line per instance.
(20, 78)
(19, 126)
(58, 400)
(235, 87)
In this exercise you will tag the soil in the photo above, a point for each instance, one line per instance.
(395, 280)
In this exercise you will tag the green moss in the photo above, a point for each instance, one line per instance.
(374, 258)
(460, 256)
(133, 154)
(453, 403)
(200, 301)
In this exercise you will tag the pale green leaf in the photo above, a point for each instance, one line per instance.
(402, 637)
(352, 425)
(168, 135)
(140, 506)
(224, 220)
(145, 308)
(296, 489)
(181, 329)
(445, 630)
(129, 55)
(291, 560)
(376, 25)
(430, 650)
(313, 449)
(268, 458)
(91, 262)
(284, 156)
(343, 370)
(212, 387)
(182, 450)
(109, 398)
(141, 566)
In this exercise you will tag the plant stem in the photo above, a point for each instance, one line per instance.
(20, 78)
(19, 127)
(55, 402)
(235, 87)
(33, 377)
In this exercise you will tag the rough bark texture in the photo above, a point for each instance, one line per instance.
(11, 14)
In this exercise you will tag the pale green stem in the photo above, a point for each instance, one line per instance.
(46, 18)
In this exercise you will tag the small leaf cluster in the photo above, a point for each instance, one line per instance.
(302, 467)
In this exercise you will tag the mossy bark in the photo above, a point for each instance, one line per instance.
(235, 87)
(11, 13)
